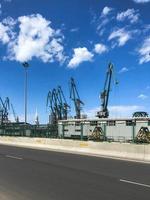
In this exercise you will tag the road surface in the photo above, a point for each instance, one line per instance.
(27, 174)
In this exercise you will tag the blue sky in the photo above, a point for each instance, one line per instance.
(64, 38)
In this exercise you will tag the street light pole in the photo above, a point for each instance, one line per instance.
(25, 65)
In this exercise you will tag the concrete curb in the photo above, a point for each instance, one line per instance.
(123, 151)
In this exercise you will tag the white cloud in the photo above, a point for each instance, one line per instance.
(141, 1)
(121, 35)
(123, 70)
(124, 110)
(56, 50)
(144, 51)
(80, 55)
(102, 26)
(106, 10)
(4, 33)
(91, 113)
(37, 39)
(130, 14)
(74, 30)
(9, 21)
(115, 111)
(142, 96)
(6, 30)
(103, 20)
(100, 48)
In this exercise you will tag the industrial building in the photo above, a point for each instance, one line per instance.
(124, 130)
(104, 128)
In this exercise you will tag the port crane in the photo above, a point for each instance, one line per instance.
(14, 113)
(51, 106)
(74, 96)
(4, 109)
(63, 106)
(56, 106)
(52, 102)
(104, 96)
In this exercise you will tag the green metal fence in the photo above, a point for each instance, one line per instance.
(28, 130)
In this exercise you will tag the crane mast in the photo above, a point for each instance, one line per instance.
(74, 96)
(62, 103)
(104, 113)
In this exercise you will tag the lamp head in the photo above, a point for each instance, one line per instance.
(25, 64)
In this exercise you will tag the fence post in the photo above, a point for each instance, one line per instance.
(62, 131)
(133, 131)
(105, 131)
(81, 131)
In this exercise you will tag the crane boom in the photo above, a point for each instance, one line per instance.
(74, 96)
(104, 113)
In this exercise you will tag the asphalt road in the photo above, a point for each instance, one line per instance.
(27, 174)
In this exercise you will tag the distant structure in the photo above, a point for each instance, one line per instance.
(140, 114)
(36, 118)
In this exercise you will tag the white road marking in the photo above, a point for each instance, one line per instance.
(14, 157)
(135, 183)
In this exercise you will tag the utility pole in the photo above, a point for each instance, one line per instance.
(25, 65)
